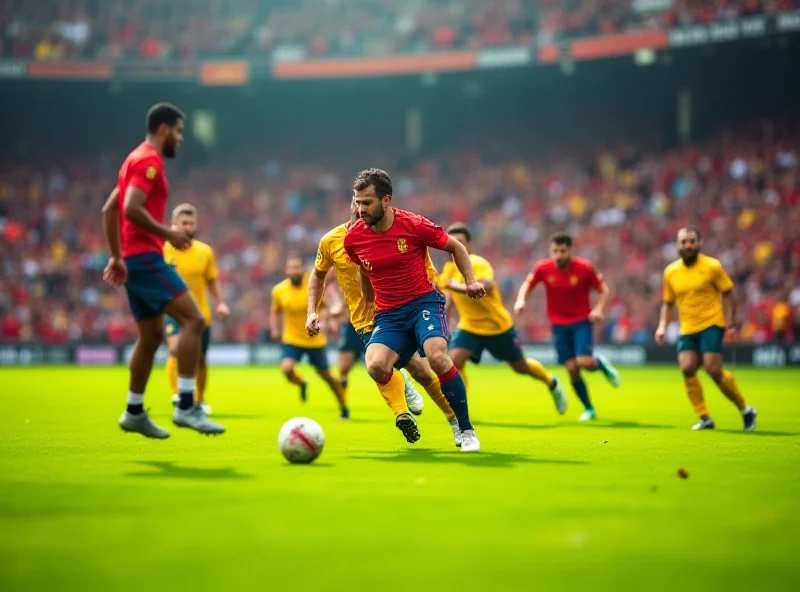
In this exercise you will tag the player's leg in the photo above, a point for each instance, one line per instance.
(564, 342)
(184, 310)
(290, 356)
(421, 371)
(711, 347)
(350, 350)
(150, 335)
(346, 362)
(202, 371)
(588, 359)
(172, 330)
(319, 359)
(689, 363)
(380, 359)
(465, 346)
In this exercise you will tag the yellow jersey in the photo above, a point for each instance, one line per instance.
(697, 290)
(486, 316)
(292, 301)
(196, 266)
(331, 255)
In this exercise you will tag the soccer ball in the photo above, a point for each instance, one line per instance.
(301, 440)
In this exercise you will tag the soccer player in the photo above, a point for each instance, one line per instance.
(289, 300)
(390, 246)
(486, 324)
(567, 281)
(396, 392)
(133, 226)
(197, 266)
(703, 292)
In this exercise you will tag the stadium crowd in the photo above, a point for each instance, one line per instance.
(623, 207)
(186, 29)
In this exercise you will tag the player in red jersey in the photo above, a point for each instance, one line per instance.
(390, 247)
(133, 223)
(567, 281)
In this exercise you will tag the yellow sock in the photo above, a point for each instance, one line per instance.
(730, 389)
(172, 375)
(202, 380)
(295, 378)
(394, 393)
(695, 391)
(539, 372)
(434, 390)
(463, 373)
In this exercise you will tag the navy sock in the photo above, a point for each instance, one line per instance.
(187, 400)
(135, 403)
(456, 394)
(135, 409)
(583, 393)
(601, 365)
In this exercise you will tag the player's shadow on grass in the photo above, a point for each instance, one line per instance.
(599, 424)
(758, 432)
(168, 470)
(365, 420)
(479, 459)
(237, 416)
(626, 425)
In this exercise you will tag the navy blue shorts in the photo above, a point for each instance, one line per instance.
(504, 347)
(407, 328)
(151, 285)
(317, 356)
(573, 340)
(172, 328)
(350, 340)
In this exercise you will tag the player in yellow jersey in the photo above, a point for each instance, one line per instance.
(289, 300)
(198, 268)
(703, 293)
(485, 324)
(331, 255)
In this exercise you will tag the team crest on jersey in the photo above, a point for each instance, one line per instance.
(150, 173)
(551, 279)
(573, 280)
(402, 245)
(319, 256)
(367, 265)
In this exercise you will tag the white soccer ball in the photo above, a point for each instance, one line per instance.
(301, 440)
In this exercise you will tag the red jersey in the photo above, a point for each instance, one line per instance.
(567, 289)
(395, 260)
(143, 169)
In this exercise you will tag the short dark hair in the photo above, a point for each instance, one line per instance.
(377, 177)
(694, 229)
(460, 228)
(163, 113)
(561, 238)
(294, 255)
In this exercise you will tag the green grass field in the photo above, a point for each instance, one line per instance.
(548, 504)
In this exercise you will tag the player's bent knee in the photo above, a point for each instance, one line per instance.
(440, 362)
(379, 371)
(520, 367)
(287, 366)
(194, 325)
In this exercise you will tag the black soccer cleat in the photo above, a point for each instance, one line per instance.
(304, 392)
(749, 417)
(406, 423)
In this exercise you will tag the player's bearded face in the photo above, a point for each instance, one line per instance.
(689, 248)
(173, 140)
(294, 271)
(560, 254)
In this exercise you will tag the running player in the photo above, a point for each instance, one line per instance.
(135, 235)
(486, 324)
(390, 246)
(331, 255)
(703, 292)
(197, 266)
(289, 300)
(567, 281)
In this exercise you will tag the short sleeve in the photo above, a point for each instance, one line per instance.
(722, 281)
(536, 275)
(594, 277)
(211, 266)
(669, 293)
(429, 234)
(323, 262)
(143, 174)
(276, 299)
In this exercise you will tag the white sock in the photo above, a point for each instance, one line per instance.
(746, 410)
(186, 384)
(135, 398)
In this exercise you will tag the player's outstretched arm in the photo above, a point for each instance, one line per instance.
(474, 288)
(316, 286)
(116, 272)
(137, 214)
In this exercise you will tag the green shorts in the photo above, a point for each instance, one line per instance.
(707, 341)
(505, 346)
(171, 328)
